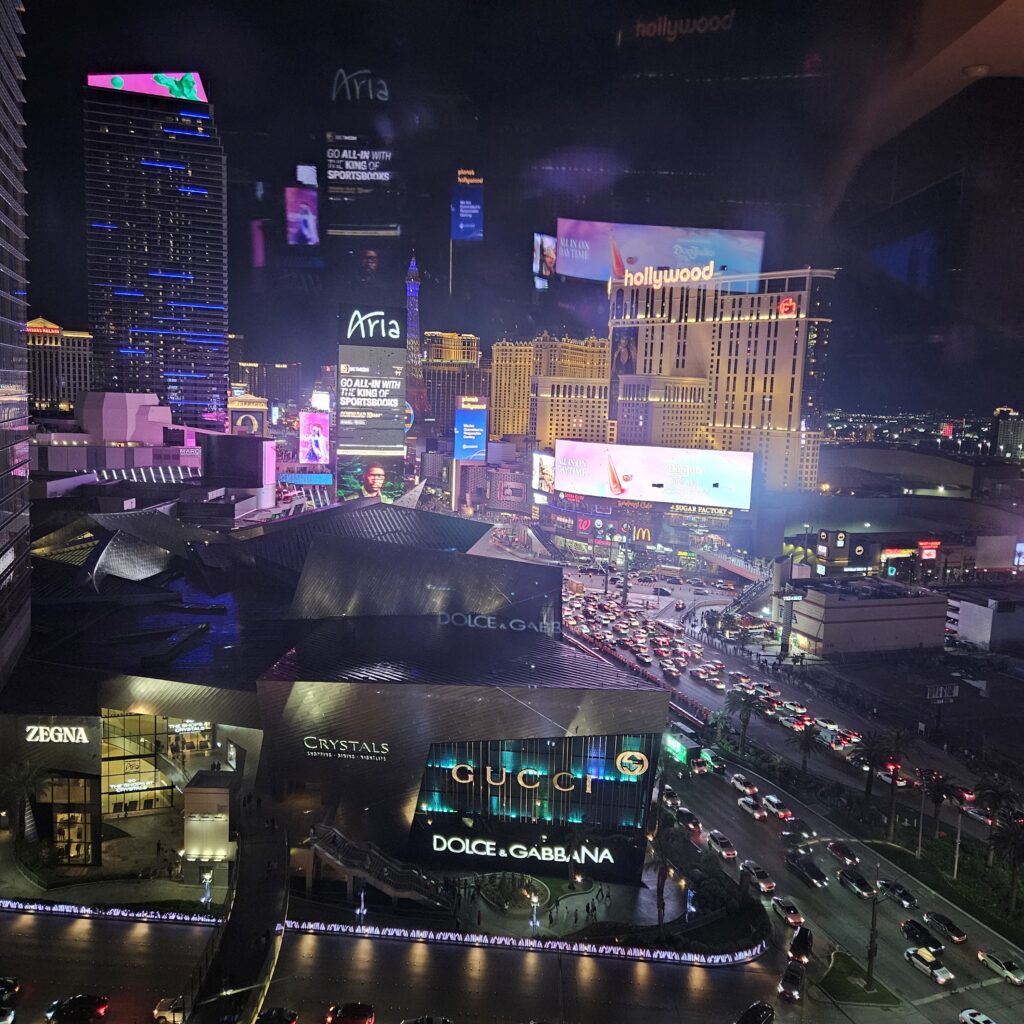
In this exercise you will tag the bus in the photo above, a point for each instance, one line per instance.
(681, 742)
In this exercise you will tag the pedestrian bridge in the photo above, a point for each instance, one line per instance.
(752, 571)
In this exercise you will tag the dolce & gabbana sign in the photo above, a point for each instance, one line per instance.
(472, 620)
(347, 749)
(520, 851)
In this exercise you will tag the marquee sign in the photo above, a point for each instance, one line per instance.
(55, 734)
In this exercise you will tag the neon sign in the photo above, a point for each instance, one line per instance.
(655, 277)
(55, 734)
(787, 306)
(519, 851)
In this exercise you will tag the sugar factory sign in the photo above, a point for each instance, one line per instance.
(55, 734)
(520, 851)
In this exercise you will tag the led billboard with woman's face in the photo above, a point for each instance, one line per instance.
(687, 476)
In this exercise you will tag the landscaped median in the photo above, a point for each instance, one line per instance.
(846, 982)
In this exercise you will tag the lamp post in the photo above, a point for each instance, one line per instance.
(873, 935)
(956, 848)
(361, 909)
(920, 823)
(534, 923)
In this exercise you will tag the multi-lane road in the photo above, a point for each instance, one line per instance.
(838, 918)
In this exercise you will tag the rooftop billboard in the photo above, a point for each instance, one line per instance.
(673, 475)
(173, 85)
(598, 250)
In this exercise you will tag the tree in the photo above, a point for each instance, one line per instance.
(875, 752)
(940, 790)
(742, 704)
(897, 741)
(720, 723)
(1007, 840)
(995, 794)
(806, 741)
(19, 783)
(659, 855)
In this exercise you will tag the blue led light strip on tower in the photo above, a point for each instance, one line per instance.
(132, 295)
(192, 305)
(104, 225)
(162, 163)
(132, 351)
(184, 131)
(167, 273)
(193, 191)
(192, 113)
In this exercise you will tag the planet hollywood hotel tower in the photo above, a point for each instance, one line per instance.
(726, 362)
(156, 229)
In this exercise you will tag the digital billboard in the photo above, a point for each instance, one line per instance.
(363, 188)
(543, 473)
(301, 215)
(175, 85)
(471, 434)
(599, 250)
(371, 378)
(371, 476)
(634, 472)
(467, 207)
(314, 438)
(545, 251)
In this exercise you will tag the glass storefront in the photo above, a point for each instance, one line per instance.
(140, 752)
(65, 810)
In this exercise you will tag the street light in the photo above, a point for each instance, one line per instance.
(956, 849)
(534, 923)
(869, 984)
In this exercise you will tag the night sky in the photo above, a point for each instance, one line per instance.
(563, 109)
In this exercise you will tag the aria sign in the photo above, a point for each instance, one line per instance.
(55, 734)
(519, 851)
(373, 324)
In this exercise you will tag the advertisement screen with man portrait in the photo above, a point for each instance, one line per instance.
(369, 476)
(314, 438)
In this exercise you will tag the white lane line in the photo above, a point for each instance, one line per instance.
(956, 991)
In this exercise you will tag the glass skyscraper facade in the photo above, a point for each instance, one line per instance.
(156, 226)
(14, 536)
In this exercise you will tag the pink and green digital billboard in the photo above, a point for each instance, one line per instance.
(174, 85)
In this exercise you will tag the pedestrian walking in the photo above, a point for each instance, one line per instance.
(159, 847)
(479, 918)
(551, 918)
(576, 916)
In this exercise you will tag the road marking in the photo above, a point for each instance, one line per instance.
(956, 991)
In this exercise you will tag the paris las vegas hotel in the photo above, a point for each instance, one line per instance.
(727, 362)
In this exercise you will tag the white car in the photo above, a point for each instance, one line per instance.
(740, 782)
(170, 1010)
(773, 805)
(752, 807)
(6, 1015)
(1005, 966)
(975, 1017)
(827, 724)
(927, 963)
(721, 844)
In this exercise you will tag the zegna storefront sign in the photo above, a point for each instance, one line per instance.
(630, 764)
(346, 750)
(655, 277)
(520, 851)
(55, 734)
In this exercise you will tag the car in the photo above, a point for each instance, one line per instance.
(680, 606)
(700, 591)
(792, 981)
(800, 827)
(278, 1015)
(9, 988)
(767, 690)
(698, 674)
(669, 796)
(349, 1013)
(795, 707)
(925, 961)
(857, 760)
(643, 657)
(887, 776)
(978, 814)
(897, 893)
(80, 1009)
(710, 667)
(721, 844)
(975, 1017)
(717, 764)
(686, 818)
(758, 876)
(752, 807)
(802, 945)
(773, 805)
(803, 866)
(795, 724)
(698, 766)
(6, 1014)
(1005, 966)
(757, 1013)
(941, 923)
(856, 883)
(843, 853)
(739, 677)
(785, 908)
(669, 670)
(766, 708)
(827, 724)
(920, 936)
(794, 841)
(740, 782)
(170, 1010)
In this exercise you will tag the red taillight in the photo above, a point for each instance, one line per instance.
(102, 1010)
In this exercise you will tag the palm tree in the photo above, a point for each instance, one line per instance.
(659, 856)
(806, 741)
(1007, 840)
(940, 790)
(875, 751)
(995, 794)
(897, 740)
(19, 783)
(743, 704)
